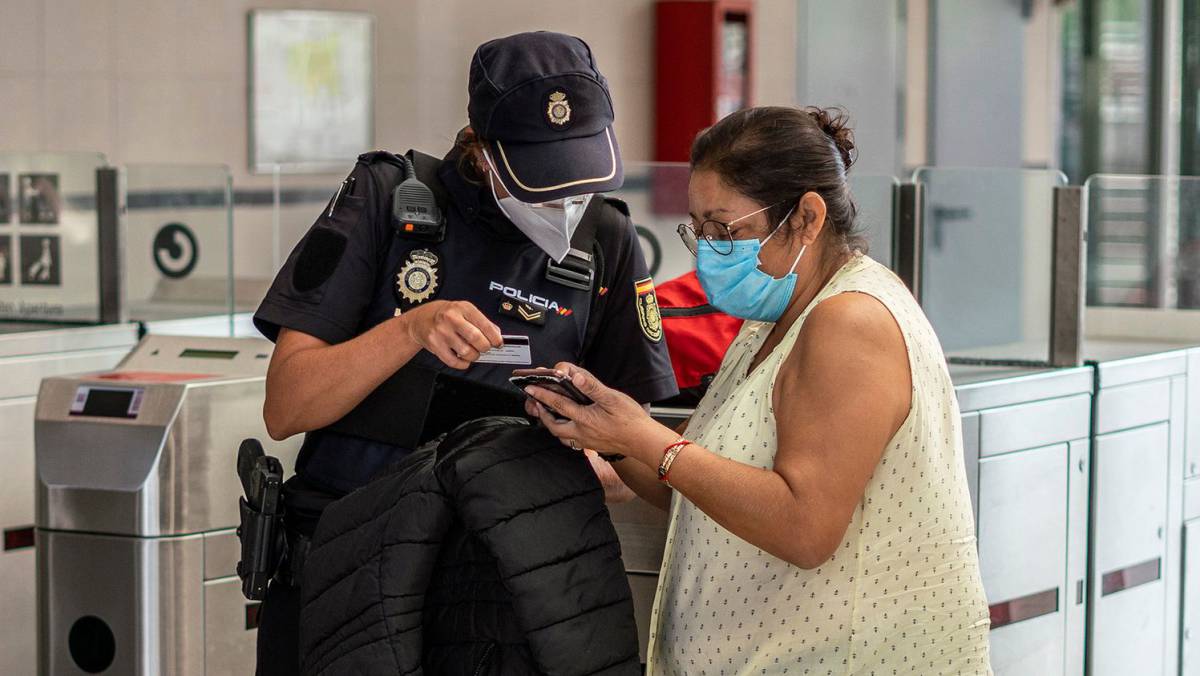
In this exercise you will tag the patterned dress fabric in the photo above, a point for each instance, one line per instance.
(902, 593)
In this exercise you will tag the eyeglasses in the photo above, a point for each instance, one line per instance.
(716, 234)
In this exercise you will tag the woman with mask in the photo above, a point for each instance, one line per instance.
(820, 515)
(385, 295)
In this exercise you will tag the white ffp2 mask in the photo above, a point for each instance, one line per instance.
(549, 225)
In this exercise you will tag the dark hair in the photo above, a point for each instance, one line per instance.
(470, 148)
(774, 155)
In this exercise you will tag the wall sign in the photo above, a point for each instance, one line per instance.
(175, 250)
(41, 260)
(311, 89)
(6, 260)
(5, 200)
(40, 200)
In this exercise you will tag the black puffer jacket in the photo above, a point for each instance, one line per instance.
(490, 552)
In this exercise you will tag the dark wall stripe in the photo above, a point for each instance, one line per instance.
(18, 538)
(1024, 608)
(1133, 576)
(245, 197)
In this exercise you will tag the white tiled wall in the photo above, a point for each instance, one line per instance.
(165, 80)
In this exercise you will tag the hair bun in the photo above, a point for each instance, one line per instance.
(835, 123)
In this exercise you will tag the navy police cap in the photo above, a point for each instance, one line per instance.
(544, 108)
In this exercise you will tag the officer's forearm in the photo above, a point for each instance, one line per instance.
(314, 384)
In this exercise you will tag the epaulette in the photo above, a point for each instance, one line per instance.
(619, 204)
(376, 156)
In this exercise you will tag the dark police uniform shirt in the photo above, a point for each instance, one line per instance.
(352, 271)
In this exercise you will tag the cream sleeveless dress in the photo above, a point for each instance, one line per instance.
(902, 594)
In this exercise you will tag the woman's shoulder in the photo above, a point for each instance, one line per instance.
(851, 316)
(849, 326)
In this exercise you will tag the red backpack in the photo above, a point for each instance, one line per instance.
(697, 334)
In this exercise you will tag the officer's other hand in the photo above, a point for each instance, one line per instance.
(615, 490)
(456, 332)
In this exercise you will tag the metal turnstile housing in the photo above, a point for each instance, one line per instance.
(143, 494)
(28, 353)
(1137, 556)
(1025, 436)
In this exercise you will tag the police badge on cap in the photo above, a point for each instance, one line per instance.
(417, 279)
(558, 109)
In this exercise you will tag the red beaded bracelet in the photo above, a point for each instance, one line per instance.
(669, 455)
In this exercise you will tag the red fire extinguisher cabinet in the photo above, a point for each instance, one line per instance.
(703, 69)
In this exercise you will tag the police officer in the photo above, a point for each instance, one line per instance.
(516, 261)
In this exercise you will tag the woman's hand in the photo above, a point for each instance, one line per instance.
(615, 423)
(454, 331)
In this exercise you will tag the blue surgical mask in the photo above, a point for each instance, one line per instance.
(736, 286)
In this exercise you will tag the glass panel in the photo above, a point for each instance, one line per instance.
(1189, 156)
(986, 260)
(875, 197)
(1073, 95)
(1108, 87)
(298, 202)
(177, 242)
(868, 81)
(1144, 241)
(1123, 38)
(273, 212)
(49, 249)
(977, 77)
(657, 198)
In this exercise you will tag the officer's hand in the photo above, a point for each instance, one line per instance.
(454, 331)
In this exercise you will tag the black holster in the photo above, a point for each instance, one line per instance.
(261, 510)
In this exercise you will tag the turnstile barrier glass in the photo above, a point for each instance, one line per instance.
(177, 242)
(1144, 241)
(986, 268)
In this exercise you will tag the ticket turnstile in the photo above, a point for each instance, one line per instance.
(137, 499)
(1141, 459)
(1026, 449)
(28, 353)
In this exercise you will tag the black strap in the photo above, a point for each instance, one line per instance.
(610, 219)
(694, 311)
(578, 269)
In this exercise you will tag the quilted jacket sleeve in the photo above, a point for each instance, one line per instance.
(358, 615)
(539, 509)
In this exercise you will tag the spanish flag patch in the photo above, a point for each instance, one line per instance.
(647, 308)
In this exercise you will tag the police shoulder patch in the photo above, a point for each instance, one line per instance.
(647, 309)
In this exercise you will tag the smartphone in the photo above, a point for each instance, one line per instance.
(555, 381)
